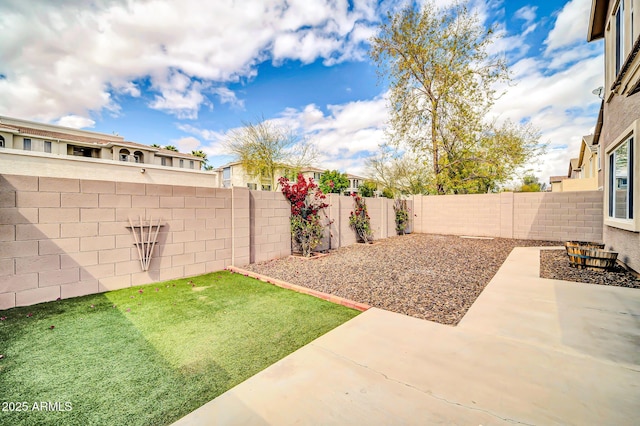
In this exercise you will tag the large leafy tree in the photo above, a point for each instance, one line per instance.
(265, 148)
(333, 182)
(442, 79)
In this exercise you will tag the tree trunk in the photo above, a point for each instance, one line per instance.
(434, 144)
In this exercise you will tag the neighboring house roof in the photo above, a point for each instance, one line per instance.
(31, 131)
(597, 19)
(625, 67)
(574, 164)
(312, 169)
(598, 130)
(556, 179)
(23, 128)
(586, 145)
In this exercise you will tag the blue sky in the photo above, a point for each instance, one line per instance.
(185, 73)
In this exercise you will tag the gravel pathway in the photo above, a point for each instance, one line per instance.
(554, 264)
(433, 277)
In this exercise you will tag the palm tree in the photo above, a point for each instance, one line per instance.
(171, 148)
(200, 153)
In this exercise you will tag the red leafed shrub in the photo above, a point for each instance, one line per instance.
(360, 221)
(307, 200)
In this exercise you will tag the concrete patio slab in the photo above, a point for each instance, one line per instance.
(530, 351)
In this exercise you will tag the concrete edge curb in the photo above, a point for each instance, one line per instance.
(283, 284)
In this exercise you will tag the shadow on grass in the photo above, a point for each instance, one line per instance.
(150, 354)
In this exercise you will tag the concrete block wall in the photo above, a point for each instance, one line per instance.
(477, 215)
(270, 227)
(535, 216)
(69, 237)
(558, 216)
(380, 211)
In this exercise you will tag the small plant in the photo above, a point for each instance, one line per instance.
(360, 221)
(402, 216)
(307, 200)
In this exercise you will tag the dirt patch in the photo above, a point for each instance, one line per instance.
(433, 277)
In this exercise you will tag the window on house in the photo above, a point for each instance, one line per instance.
(181, 163)
(124, 155)
(2, 141)
(633, 33)
(621, 181)
(316, 176)
(138, 157)
(191, 164)
(47, 146)
(80, 151)
(266, 187)
(163, 161)
(226, 177)
(252, 186)
(26, 145)
(619, 37)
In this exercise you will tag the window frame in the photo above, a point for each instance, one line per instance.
(26, 144)
(2, 142)
(47, 147)
(631, 223)
(619, 42)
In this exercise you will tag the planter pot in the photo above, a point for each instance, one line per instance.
(587, 255)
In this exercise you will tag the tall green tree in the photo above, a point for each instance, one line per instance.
(441, 81)
(265, 148)
(367, 188)
(333, 182)
(530, 183)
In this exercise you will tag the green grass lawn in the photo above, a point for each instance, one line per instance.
(149, 355)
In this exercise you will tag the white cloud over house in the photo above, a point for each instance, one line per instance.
(79, 57)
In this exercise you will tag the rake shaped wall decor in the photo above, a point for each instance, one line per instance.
(145, 234)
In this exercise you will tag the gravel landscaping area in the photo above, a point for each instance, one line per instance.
(433, 277)
(554, 264)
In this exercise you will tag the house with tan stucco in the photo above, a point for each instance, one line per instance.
(583, 170)
(618, 128)
(58, 141)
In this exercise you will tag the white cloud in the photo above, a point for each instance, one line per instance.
(558, 102)
(186, 144)
(180, 95)
(571, 25)
(343, 136)
(73, 57)
(75, 122)
(228, 97)
(527, 14)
